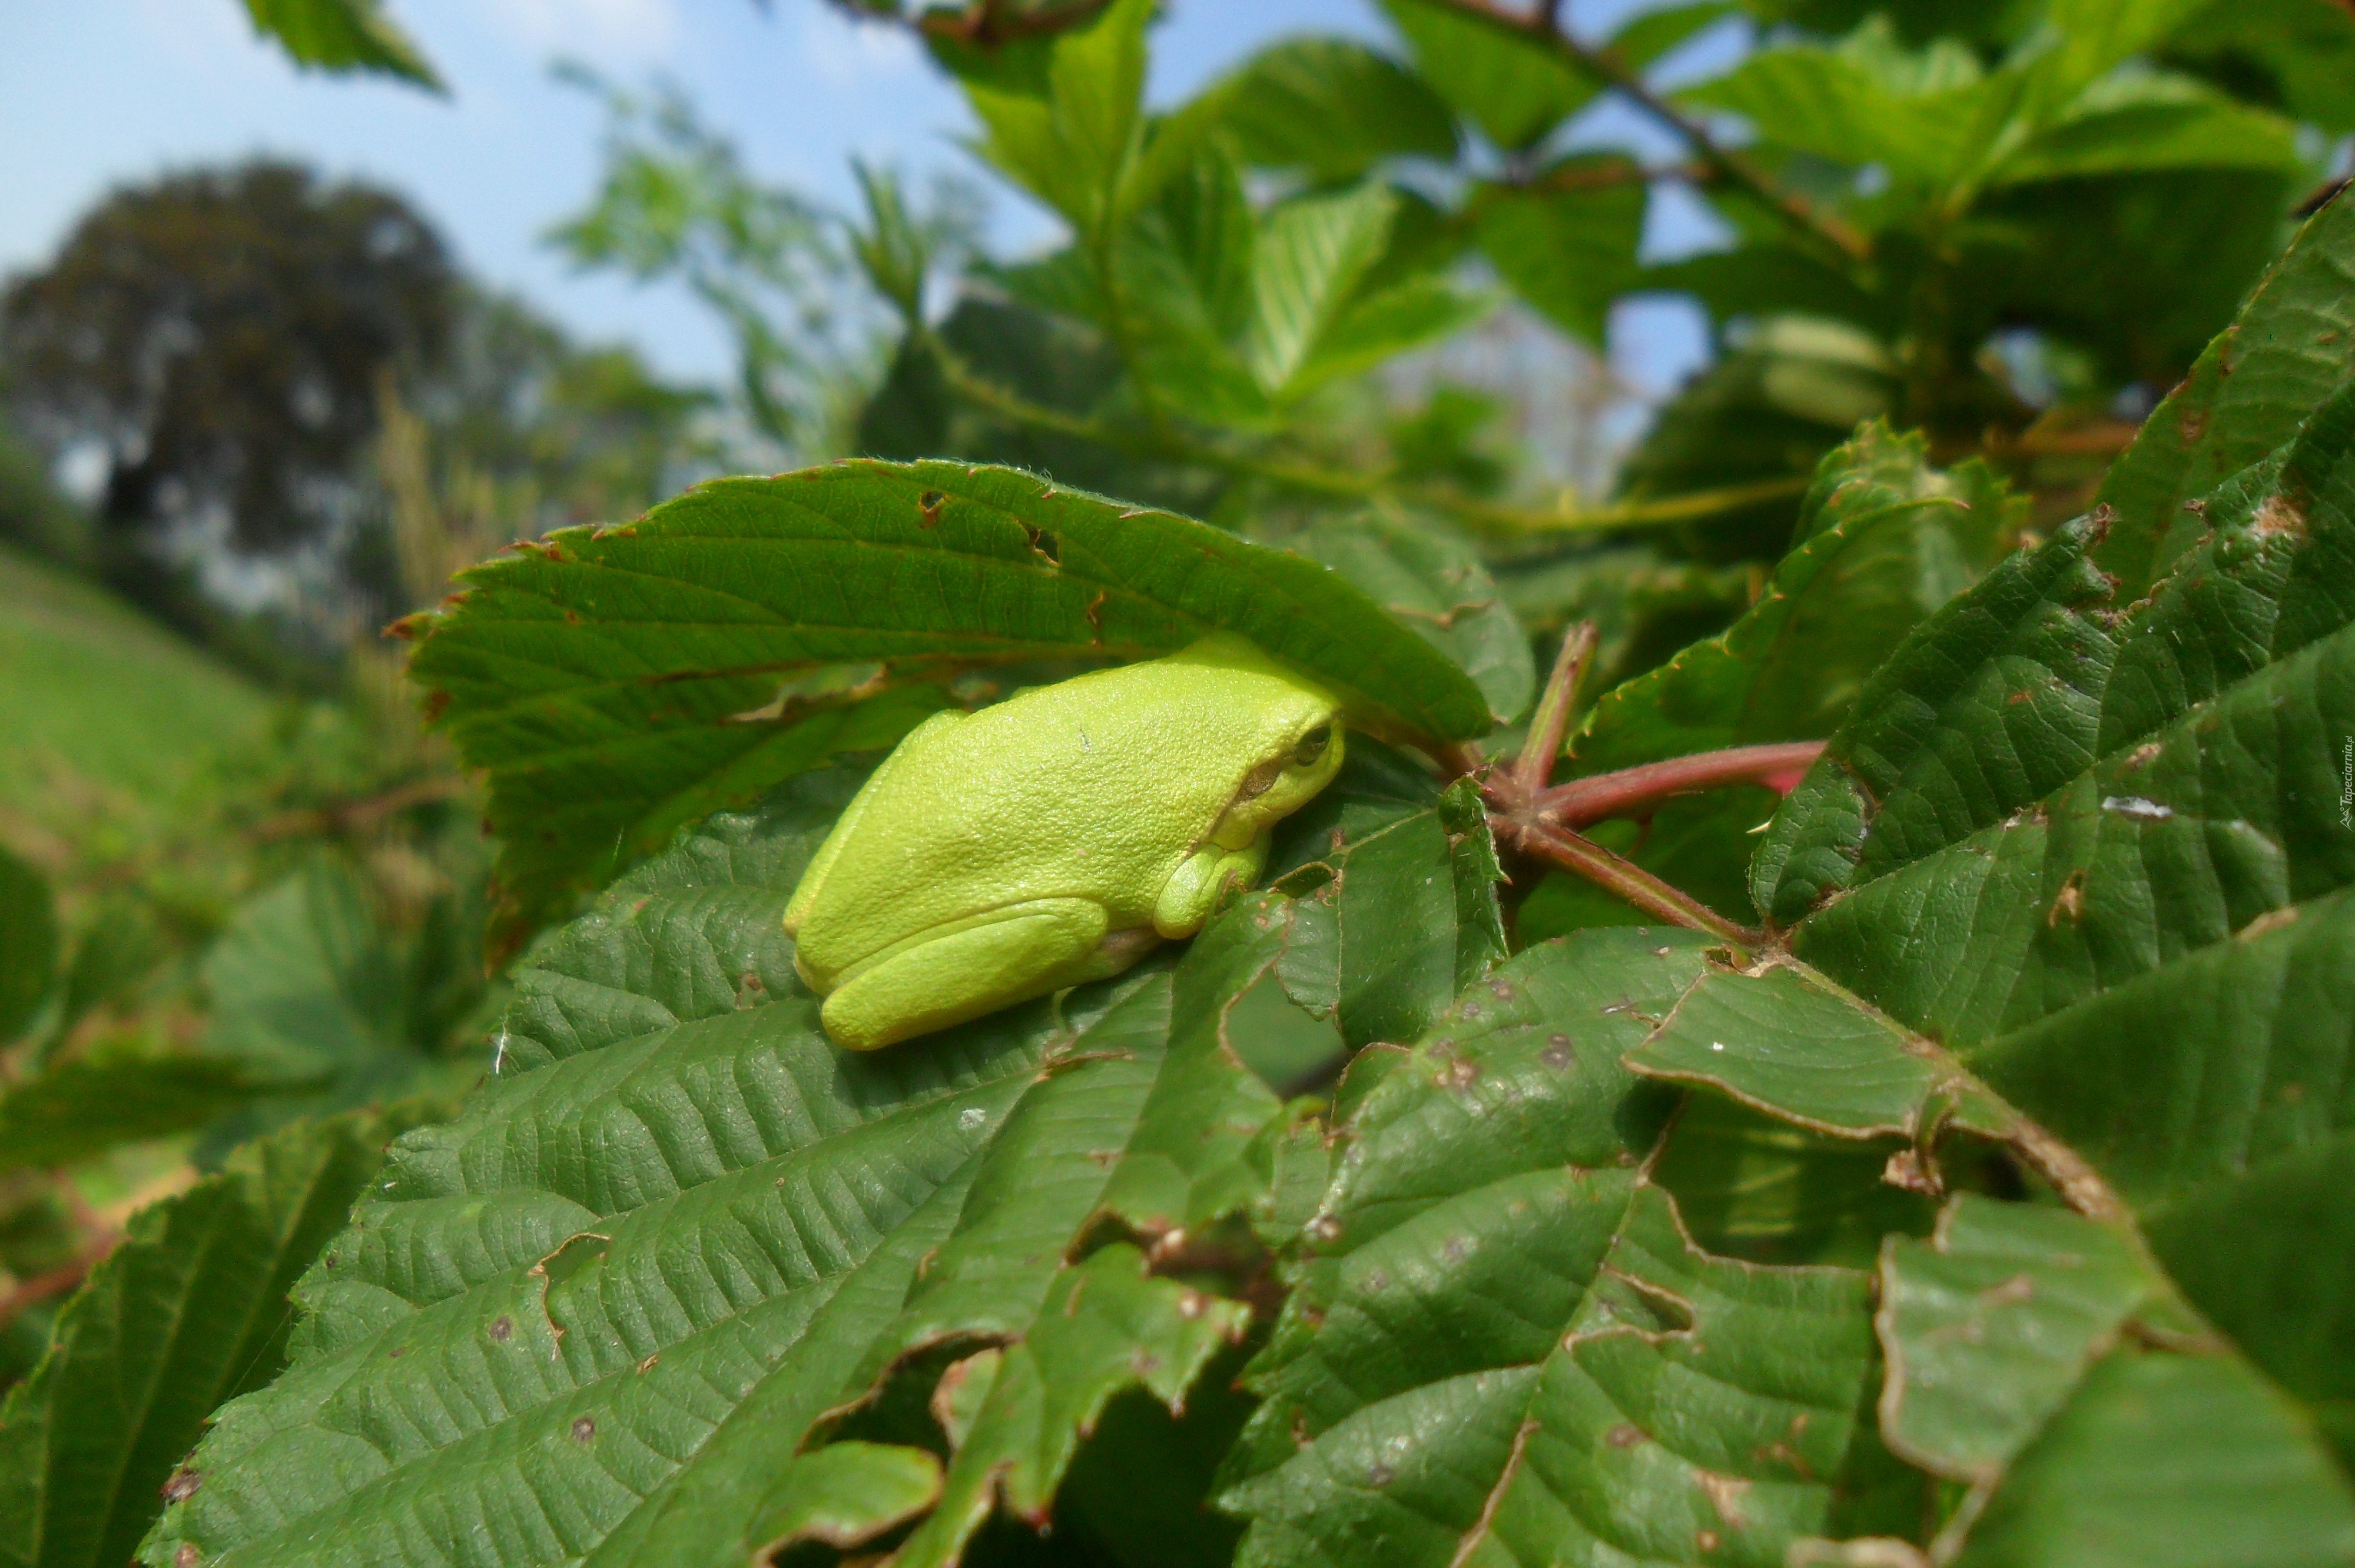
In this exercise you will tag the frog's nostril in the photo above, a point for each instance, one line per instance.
(1311, 746)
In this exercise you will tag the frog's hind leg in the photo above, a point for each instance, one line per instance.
(1007, 955)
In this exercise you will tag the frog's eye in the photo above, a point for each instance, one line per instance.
(1311, 746)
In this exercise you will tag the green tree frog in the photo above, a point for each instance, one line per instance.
(1054, 838)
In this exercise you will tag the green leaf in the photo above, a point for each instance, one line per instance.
(2077, 879)
(616, 681)
(1566, 241)
(1883, 540)
(1992, 1322)
(1312, 253)
(601, 1313)
(1071, 139)
(2303, 49)
(1435, 582)
(1788, 391)
(2134, 122)
(1332, 108)
(94, 1101)
(340, 36)
(311, 995)
(188, 1310)
(2291, 347)
(1505, 1347)
(1513, 88)
(846, 1494)
(1867, 101)
(2165, 1459)
(29, 944)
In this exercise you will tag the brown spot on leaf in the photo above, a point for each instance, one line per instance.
(929, 505)
(1624, 1435)
(584, 1428)
(187, 1555)
(2271, 920)
(182, 1486)
(2278, 517)
(503, 1329)
(2069, 903)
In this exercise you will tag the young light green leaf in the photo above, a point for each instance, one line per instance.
(1566, 241)
(1867, 101)
(1514, 89)
(340, 36)
(617, 680)
(2292, 346)
(1312, 254)
(2134, 123)
(189, 1310)
(1071, 139)
(1333, 108)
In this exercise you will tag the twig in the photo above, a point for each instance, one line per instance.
(1482, 516)
(1629, 790)
(57, 1281)
(1624, 878)
(343, 816)
(1533, 770)
(1725, 163)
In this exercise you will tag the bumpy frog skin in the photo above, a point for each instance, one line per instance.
(1055, 838)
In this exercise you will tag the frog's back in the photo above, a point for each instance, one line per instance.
(1095, 788)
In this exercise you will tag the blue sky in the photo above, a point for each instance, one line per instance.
(94, 92)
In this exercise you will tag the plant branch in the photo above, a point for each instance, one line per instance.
(1533, 770)
(1482, 516)
(1624, 878)
(1633, 791)
(1724, 163)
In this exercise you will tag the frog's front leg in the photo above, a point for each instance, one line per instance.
(1194, 889)
(980, 965)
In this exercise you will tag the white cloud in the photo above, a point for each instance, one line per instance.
(608, 32)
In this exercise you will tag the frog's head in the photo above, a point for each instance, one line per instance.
(1300, 747)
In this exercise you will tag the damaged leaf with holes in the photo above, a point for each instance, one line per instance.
(684, 1281)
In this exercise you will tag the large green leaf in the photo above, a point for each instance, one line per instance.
(2075, 875)
(1505, 1349)
(618, 682)
(2291, 347)
(188, 1310)
(1435, 582)
(599, 1316)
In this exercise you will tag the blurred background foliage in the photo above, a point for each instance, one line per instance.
(1350, 297)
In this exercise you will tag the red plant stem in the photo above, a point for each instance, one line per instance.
(1534, 769)
(1583, 857)
(1631, 792)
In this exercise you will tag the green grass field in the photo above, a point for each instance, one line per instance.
(91, 689)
